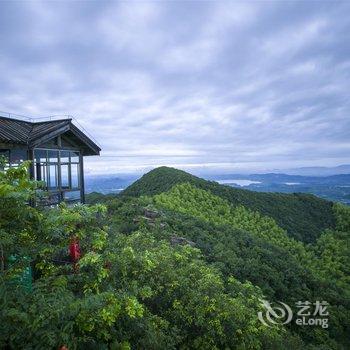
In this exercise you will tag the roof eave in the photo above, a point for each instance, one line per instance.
(93, 149)
(89, 148)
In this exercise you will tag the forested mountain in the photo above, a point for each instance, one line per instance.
(292, 246)
(304, 216)
(174, 262)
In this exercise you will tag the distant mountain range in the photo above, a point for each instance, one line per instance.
(286, 178)
(108, 183)
(319, 171)
(332, 187)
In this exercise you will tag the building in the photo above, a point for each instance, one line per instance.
(56, 149)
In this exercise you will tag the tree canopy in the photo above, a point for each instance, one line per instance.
(181, 269)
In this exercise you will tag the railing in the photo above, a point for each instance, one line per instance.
(32, 119)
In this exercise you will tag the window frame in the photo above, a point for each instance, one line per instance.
(9, 155)
(60, 189)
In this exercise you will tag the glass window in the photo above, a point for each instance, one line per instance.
(40, 168)
(5, 153)
(42, 172)
(17, 156)
(37, 172)
(40, 155)
(75, 175)
(52, 156)
(52, 165)
(53, 176)
(74, 156)
(72, 195)
(65, 176)
(4, 159)
(64, 156)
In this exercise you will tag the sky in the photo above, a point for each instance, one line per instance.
(203, 86)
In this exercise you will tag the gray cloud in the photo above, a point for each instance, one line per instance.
(193, 84)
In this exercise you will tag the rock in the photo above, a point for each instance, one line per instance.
(151, 214)
(176, 240)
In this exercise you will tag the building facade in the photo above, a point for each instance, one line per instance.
(56, 149)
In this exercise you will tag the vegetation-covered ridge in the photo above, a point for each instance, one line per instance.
(302, 269)
(303, 216)
(204, 205)
(190, 200)
(313, 272)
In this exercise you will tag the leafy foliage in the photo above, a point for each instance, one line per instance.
(303, 216)
(96, 197)
(310, 273)
(280, 274)
(251, 246)
(204, 205)
(333, 265)
(127, 290)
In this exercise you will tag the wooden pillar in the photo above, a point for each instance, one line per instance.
(81, 179)
(59, 174)
(30, 153)
(31, 167)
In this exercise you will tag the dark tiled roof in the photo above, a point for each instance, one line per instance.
(28, 133)
(41, 129)
(12, 130)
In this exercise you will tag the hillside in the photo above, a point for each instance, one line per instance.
(303, 216)
(251, 247)
(182, 269)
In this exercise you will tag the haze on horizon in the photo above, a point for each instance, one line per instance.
(203, 86)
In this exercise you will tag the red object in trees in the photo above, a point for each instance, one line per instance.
(74, 250)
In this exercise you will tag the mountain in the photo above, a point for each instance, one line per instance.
(303, 216)
(334, 187)
(280, 178)
(320, 171)
(190, 265)
(295, 247)
(108, 183)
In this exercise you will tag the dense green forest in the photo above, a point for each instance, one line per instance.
(174, 262)
(304, 216)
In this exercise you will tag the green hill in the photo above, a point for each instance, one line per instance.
(182, 269)
(249, 246)
(303, 216)
(190, 200)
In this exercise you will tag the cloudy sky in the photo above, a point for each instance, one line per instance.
(199, 85)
